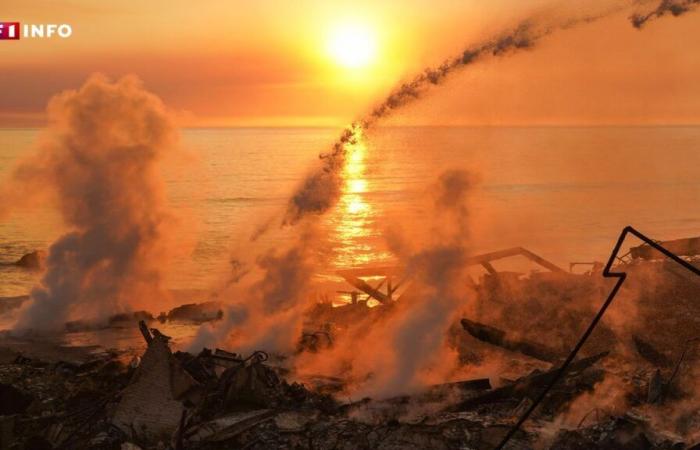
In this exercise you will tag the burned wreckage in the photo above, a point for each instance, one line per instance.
(629, 387)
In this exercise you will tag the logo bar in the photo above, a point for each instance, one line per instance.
(9, 30)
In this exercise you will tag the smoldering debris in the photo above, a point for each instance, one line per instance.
(150, 408)
(251, 399)
(221, 398)
(525, 322)
(212, 399)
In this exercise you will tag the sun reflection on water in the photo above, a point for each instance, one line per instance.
(353, 223)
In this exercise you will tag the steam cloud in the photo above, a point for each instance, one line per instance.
(408, 338)
(269, 300)
(99, 159)
(417, 333)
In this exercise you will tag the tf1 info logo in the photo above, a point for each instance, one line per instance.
(13, 30)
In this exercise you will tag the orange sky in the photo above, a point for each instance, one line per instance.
(220, 63)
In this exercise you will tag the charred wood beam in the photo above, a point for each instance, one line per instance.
(353, 276)
(515, 251)
(649, 353)
(540, 260)
(526, 385)
(478, 384)
(401, 282)
(366, 288)
(226, 355)
(433, 391)
(497, 337)
(145, 332)
(489, 268)
(379, 286)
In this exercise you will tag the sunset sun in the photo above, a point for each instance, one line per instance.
(352, 45)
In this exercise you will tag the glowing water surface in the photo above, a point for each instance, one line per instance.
(562, 192)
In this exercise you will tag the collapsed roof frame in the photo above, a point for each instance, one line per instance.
(354, 276)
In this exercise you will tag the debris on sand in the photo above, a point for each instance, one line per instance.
(218, 399)
(151, 405)
(225, 399)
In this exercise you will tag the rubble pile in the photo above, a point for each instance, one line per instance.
(616, 433)
(218, 399)
(215, 399)
(630, 388)
(56, 404)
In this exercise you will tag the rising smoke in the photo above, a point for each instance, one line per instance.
(321, 188)
(401, 346)
(268, 299)
(438, 293)
(674, 7)
(99, 159)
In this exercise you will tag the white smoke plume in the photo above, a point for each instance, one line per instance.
(98, 159)
(404, 346)
(417, 334)
(266, 304)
